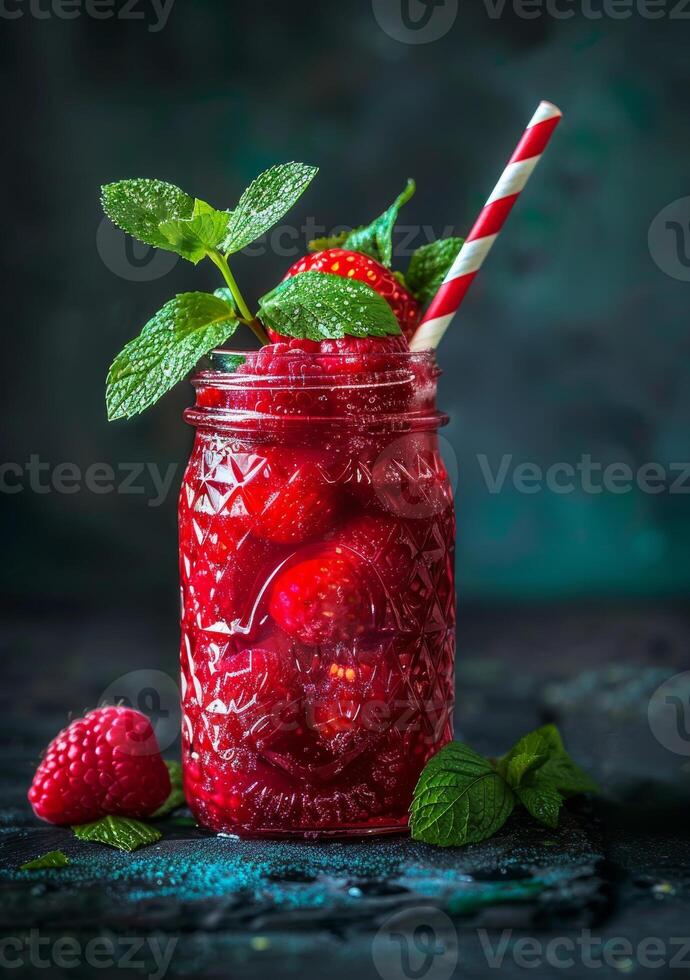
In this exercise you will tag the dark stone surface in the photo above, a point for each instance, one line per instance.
(232, 908)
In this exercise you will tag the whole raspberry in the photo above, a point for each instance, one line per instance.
(107, 762)
(251, 698)
(291, 498)
(323, 599)
(356, 265)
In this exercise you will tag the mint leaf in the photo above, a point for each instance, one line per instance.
(227, 361)
(139, 206)
(194, 237)
(520, 765)
(376, 239)
(168, 347)
(567, 776)
(120, 832)
(550, 763)
(176, 798)
(459, 799)
(429, 265)
(330, 241)
(320, 305)
(542, 801)
(223, 292)
(52, 859)
(265, 201)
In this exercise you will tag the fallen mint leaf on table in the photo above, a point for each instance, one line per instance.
(459, 799)
(429, 265)
(168, 347)
(120, 832)
(176, 798)
(51, 859)
(462, 798)
(320, 305)
(267, 199)
(139, 206)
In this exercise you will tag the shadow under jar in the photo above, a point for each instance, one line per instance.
(318, 603)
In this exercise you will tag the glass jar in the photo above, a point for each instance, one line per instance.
(318, 602)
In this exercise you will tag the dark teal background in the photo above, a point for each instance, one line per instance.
(573, 341)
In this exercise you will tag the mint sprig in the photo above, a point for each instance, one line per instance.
(51, 859)
(123, 833)
(462, 798)
(169, 346)
(319, 305)
(429, 265)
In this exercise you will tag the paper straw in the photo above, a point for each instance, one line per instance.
(492, 217)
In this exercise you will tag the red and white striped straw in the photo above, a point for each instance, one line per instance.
(492, 217)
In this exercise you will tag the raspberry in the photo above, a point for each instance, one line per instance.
(251, 697)
(356, 265)
(107, 762)
(323, 599)
(318, 379)
(406, 477)
(350, 702)
(291, 499)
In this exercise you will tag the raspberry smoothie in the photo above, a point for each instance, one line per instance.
(316, 560)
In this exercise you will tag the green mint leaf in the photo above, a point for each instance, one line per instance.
(120, 832)
(227, 361)
(176, 797)
(429, 265)
(554, 767)
(223, 292)
(542, 801)
(376, 239)
(320, 305)
(331, 241)
(520, 765)
(265, 201)
(194, 237)
(567, 776)
(460, 799)
(139, 206)
(168, 347)
(52, 859)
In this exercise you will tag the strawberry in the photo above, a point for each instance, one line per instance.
(356, 265)
(107, 762)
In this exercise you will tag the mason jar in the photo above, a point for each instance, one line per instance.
(317, 590)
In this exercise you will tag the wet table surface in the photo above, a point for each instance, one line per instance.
(610, 889)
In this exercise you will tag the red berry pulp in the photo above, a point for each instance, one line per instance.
(316, 561)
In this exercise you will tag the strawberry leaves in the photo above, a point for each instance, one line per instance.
(462, 798)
